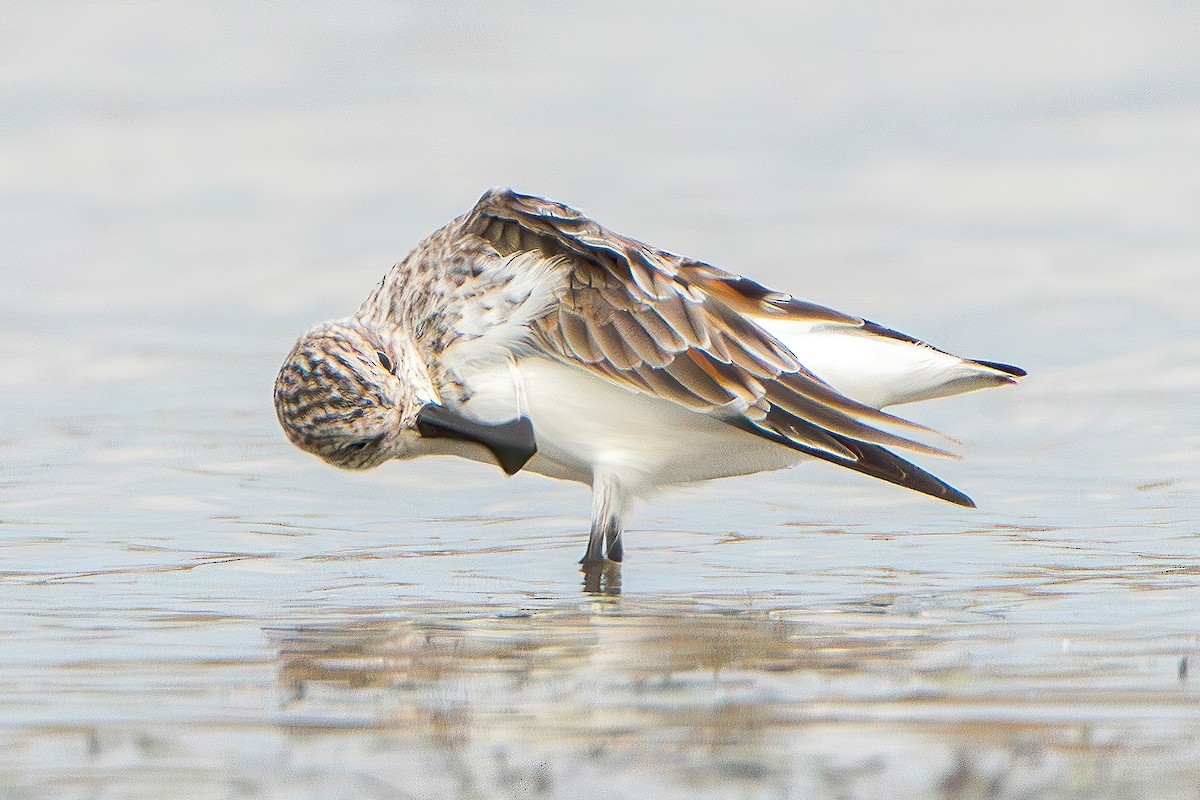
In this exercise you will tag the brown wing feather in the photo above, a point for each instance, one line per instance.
(659, 323)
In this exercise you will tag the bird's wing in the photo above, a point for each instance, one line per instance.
(677, 329)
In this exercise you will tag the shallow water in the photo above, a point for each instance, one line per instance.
(189, 606)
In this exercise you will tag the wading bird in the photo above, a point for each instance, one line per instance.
(525, 335)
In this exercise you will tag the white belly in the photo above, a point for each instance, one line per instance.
(582, 421)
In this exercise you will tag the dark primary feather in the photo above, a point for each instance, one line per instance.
(879, 330)
(680, 329)
(1016, 372)
(885, 465)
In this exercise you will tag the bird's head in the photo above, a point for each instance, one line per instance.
(356, 396)
(350, 394)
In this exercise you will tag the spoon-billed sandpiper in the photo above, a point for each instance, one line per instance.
(524, 334)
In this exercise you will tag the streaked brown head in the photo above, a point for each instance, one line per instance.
(337, 395)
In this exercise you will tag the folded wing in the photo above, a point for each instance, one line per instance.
(687, 332)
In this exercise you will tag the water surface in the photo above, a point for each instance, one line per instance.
(193, 608)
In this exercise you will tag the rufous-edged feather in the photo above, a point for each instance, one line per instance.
(685, 331)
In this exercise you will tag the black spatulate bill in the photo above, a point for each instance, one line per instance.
(512, 442)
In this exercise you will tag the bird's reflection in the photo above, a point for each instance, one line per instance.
(602, 579)
(726, 696)
(651, 663)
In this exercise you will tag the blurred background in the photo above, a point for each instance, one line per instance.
(188, 604)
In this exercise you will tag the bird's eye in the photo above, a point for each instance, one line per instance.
(384, 361)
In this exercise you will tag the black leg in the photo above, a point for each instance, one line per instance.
(612, 540)
(595, 549)
(605, 536)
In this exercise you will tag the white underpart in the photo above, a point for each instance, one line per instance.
(584, 423)
(878, 370)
